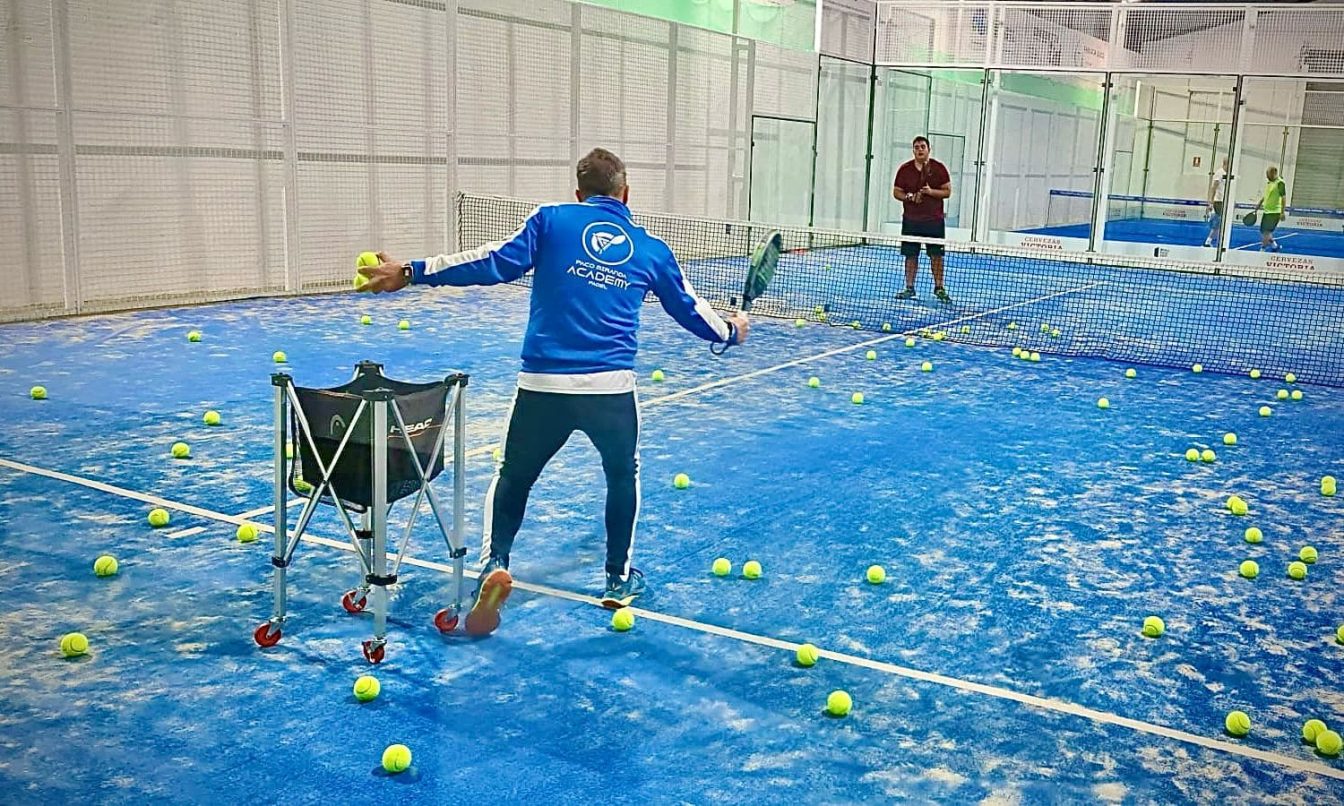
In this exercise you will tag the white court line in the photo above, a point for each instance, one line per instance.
(1257, 243)
(1042, 703)
(194, 530)
(269, 508)
(704, 387)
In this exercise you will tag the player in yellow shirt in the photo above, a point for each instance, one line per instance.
(1272, 209)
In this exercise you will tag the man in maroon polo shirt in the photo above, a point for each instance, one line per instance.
(921, 185)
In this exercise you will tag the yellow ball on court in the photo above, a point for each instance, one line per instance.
(856, 398)
(681, 481)
(105, 566)
(722, 567)
(806, 655)
(939, 336)
(404, 325)
(397, 758)
(1307, 554)
(1297, 394)
(246, 533)
(74, 644)
(1311, 729)
(1290, 378)
(194, 336)
(367, 688)
(279, 357)
(1208, 456)
(38, 393)
(497, 454)
(1297, 570)
(886, 327)
(1237, 723)
(856, 324)
(871, 355)
(1103, 403)
(1229, 438)
(158, 518)
(1329, 743)
(965, 329)
(622, 620)
(366, 319)
(1036, 357)
(751, 569)
(1154, 627)
(927, 366)
(1255, 374)
(1282, 394)
(1197, 368)
(1017, 352)
(1249, 569)
(800, 323)
(1328, 485)
(1131, 373)
(876, 574)
(658, 376)
(910, 342)
(181, 450)
(814, 382)
(212, 418)
(819, 309)
(1237, 505)
(839, 703)
(1192, 455)
(1339, 634)
(1254, 535)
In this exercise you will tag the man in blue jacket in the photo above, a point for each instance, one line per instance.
(592, 266)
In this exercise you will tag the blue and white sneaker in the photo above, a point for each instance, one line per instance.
(621, 592)
(492, 590)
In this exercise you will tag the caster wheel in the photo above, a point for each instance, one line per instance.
(354, 601)
(266, 635)
(374, 651)
(446, 620)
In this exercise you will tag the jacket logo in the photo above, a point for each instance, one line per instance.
(607, 243)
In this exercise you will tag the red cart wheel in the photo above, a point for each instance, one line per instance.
(354, 601)
(266, 635)
(374, 651)
(446, 620)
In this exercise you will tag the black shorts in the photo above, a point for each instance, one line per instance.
(923, 229)
(1268, 221)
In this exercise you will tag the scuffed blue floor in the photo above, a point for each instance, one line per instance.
(1026, 534)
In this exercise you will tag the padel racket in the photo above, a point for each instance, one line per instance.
(764, 260)
(1249, 219)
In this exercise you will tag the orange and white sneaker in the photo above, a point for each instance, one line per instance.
(492, 590)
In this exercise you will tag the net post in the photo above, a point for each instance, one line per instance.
(1101, 185)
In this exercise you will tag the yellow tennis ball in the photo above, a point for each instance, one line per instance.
(814, 382)
(1103, 403)
(819, 309)
(1254, 535)
(939, 336)
(1237, 723)
(751, 569)
(838, 703)
(876, 574)
(367, 259)
(105, 566)
(74, 644)
(1297, 394)
(1192, 455)
(623, 619)
(1249, 569)
(722, 567)
(1045, 327)
(1311, 729)
(965, 329)
(1297, 570)
(302, 486)
(1329, 743)
(1237, 505)
(1025, 355)
(681, 481)
(1265, 411)
(1229, 438)
(403, 325)
(158, 518)
(38, 393)
(856, 398)
(1339, 634)
(855, 324)
(212, 418)
(279, 357)
(1290, 378)
(871, 355)
(246, 533)
(821, 317)
(1328, 485)
(806, 655)
(366, 319)
(1131, 373)
(1055, 332)
(910, 342)
(1154, 627)
(1197, 368)
(396, 758)
(1282, 394)
(1307, 554)
(1036, 357)
(1017, 352)
(181, 450)
(886, 327)
(359, 281)
(1208, 456)
(497, 454)
(658, 376)
(1255, 374)
(367, 688)
(927, 366)
(800, 323)
(194, 336)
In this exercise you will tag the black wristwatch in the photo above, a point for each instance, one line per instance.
(408, 272)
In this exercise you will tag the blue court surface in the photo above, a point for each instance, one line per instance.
(1293, 240)
(1026, 534)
